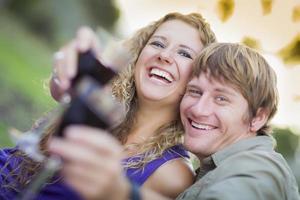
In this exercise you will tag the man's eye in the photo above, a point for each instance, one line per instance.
(185, 54)
(157, 44)
(193, 92)
(221, 99)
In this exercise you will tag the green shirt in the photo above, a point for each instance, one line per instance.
(247, 170)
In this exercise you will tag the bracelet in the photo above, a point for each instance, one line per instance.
(135, 191)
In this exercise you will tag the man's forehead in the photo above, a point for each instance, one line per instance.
(217, 84)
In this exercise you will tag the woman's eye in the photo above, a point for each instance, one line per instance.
(157, 44)
(185, 54)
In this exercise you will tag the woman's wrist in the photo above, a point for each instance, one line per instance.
(135, 193)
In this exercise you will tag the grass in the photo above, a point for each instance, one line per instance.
(25, 63)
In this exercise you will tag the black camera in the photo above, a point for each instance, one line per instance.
(91, 98)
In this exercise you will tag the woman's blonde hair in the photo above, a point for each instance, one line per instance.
(124, 88)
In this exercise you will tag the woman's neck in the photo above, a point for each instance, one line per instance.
(148, 120)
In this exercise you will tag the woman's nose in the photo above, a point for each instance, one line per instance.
(166, 55)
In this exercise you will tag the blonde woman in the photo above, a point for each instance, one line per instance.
(151, 87)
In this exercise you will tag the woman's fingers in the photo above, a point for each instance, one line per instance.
(86, 145)
(64, 67)
(87, 39)
(92, 161)
(95, 138)
(66, 59)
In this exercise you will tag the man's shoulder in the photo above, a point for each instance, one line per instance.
(256, 160)
(260, 169)
(247, 175)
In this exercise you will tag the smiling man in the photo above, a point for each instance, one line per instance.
(226, 112)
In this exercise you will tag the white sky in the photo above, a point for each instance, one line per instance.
(274, 31)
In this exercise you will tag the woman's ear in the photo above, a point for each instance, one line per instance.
(259, 120)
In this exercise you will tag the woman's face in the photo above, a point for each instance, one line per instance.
(165, 63)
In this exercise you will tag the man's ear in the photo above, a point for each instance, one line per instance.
(259, 120)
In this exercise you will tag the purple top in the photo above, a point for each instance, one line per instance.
(59, 190)
(140, 175)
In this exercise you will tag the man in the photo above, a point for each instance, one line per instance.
(225, 112)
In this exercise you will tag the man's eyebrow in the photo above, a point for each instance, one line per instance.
(230, 92)
(192, 85)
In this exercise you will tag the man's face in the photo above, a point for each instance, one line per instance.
(214, 114)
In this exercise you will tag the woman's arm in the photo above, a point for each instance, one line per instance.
(92, 165)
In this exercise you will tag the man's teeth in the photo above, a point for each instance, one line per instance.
(202, 126)
(160, 73)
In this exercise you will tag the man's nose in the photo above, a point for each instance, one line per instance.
(202, 107)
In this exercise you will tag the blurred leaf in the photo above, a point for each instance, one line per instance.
(225, 9)
(291, 53)
(266, 6)
(297, 97)
(251, 42)
(287, 142)
(296, 14)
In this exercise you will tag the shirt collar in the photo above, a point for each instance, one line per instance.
(211, 162)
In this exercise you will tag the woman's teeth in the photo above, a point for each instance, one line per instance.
(161, 74)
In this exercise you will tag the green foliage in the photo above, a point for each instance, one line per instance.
(287, 142)
(4, 139)
(251, 42)
(57, 20)
(30, 32)
(291, 52)
(267, 6)
(225, 9)
(25, 63)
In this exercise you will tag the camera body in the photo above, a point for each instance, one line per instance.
(91, 98)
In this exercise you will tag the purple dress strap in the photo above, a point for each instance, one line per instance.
(140, 175)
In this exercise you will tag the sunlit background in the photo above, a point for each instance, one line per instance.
(31, 30)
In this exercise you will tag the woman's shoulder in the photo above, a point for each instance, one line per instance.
(140, 175)
(176, 151)
(174, 175)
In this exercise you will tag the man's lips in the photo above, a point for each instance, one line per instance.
(201, 126)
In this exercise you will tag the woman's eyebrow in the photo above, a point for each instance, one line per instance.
(187, 47)
(159, 37)
(181, 45)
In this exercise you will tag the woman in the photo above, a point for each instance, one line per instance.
(151, 88)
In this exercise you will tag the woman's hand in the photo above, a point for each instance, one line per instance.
(92, 163)
(65, 60)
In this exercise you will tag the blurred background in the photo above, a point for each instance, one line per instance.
(31, 30)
